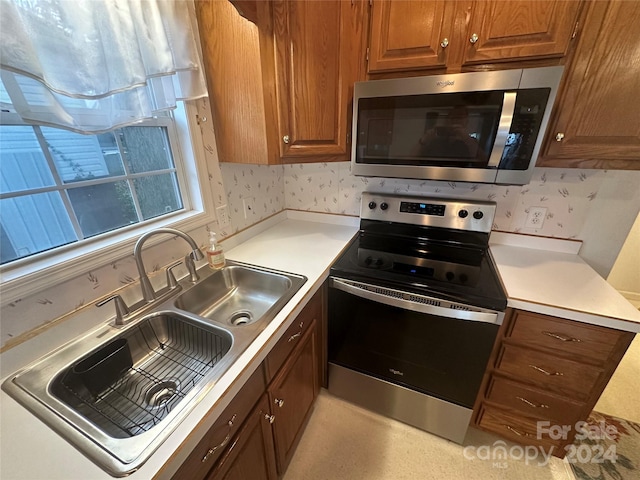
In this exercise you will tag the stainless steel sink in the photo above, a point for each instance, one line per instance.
(132, 383)
(240, 295)
(118, 392)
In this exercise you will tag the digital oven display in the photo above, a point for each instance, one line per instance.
(422, 208)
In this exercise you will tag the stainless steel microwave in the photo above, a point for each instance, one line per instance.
(481, 127)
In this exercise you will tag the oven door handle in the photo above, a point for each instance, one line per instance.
(486, 317)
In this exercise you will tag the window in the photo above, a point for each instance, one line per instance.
(146, 190)
(73, 202)
(58, 187)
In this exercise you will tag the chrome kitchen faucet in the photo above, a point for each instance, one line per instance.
(148, 292)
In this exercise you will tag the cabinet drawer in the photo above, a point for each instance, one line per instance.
(531, 401)
(213, 444)
(520, 429)
(566, 377)
(592, 342)
(293, 335)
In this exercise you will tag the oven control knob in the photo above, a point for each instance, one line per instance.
(384, 206)
(368, 261)
(464, 278)
(463, 214)
(372, 205)
(379, 261)
(478, 215)
(449, 275)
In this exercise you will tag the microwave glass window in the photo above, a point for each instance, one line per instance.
(447, 130)
(456, 129)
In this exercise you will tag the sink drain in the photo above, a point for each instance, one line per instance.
(241, 318)
(159, 394)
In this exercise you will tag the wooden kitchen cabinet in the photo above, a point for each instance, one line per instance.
(454, 36)
(292, 395)
(213, 445)
(545, 368)
(596, 120)
(409, 35)
(250, 456)
(281, 89)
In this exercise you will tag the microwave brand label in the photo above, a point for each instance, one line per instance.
(445, 83)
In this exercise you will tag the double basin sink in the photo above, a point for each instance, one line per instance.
(117, 393)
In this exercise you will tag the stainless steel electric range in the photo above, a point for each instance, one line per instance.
(415, 303)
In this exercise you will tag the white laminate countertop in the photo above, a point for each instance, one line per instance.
(554, 283)
(561, 284)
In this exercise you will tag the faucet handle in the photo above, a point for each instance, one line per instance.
(171, 278)
(121, 307)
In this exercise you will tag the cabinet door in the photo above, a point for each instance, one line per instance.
(597, 123)
(241, 105)
(291, 396)
(519, 30)
(409, 35)
(251, 454)
(317, 62)
(212, 446)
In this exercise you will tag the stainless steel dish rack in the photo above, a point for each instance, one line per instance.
(161, 361)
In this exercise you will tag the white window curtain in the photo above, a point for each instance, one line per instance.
(95, 65)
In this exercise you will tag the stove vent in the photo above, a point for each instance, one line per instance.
(384, 291)
(456, 306)
(427, 301)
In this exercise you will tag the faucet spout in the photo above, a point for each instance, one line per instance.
(148, 292)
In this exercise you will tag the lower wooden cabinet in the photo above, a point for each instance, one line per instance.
(545, 372)
(292, 394)
(250, 456)
(256, 435)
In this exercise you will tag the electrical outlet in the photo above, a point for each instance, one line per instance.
(536, 217)
(248, 205)
(222, 212)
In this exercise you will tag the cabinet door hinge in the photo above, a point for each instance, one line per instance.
(575, 30)
(367, 55)
(371, 3)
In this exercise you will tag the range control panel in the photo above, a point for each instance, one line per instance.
(459, 214)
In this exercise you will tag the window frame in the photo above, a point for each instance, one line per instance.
(32, 274)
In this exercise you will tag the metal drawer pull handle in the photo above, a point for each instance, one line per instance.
(561, 337)
(542, 370)
(271, 418)
(224, 442)
(531, 404)
(279, 402)
(293, 337)
(517, 432)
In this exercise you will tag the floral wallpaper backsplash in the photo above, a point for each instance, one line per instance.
(566, 193)
(258, 187)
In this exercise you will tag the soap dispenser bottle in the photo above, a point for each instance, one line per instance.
(215, 255)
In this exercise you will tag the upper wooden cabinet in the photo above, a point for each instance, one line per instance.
(452, 35)
(281, 89)
(409, 35)
(596, 123)
(316, 69)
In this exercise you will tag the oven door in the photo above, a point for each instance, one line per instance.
(420, 343)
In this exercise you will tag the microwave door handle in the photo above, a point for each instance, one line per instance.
(486, 317)
(506, 116)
